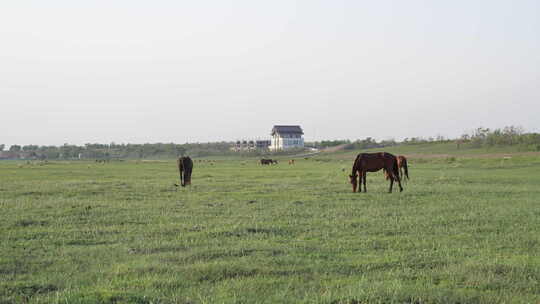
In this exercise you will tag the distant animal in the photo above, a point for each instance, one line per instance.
(266, 161)
(291, 161)
(373, 162)
(185, 167)
(402, 166)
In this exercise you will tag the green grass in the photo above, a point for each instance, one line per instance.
(463, 231)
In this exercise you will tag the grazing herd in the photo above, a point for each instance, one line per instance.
(394, 169)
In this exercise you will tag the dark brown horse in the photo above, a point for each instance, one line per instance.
(373, 162)
(185, 167)
(402, 166)
(265, 161)
(268, 161)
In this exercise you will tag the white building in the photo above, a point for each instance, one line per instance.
(286, 137)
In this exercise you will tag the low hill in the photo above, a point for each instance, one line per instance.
(433, 150)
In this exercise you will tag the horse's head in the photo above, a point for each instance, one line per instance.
(354, 181)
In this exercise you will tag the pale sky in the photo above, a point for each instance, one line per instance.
(198, 71)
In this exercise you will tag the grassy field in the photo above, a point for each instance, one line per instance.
(464, 230)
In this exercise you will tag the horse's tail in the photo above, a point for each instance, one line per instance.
(404, 165)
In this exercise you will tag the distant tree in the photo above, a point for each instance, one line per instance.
(333, 143)
(366, 143)
(15, 148)
(180, 151)
(388, 143)
(2, 146)
(29, 148)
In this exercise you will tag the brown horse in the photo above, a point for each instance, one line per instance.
(402, 166)
(291, 161)
(185, 167)
(373, 162)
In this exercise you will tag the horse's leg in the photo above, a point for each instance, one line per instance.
(182, 175)
(399, 183)
(183, 178)
(180, 169)
(398, 179)
(187, 177)
(392, 175)
(365, 177)
(359, 173)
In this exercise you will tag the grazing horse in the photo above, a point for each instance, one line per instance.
(402, 166)
(265, 161)
(185, 167)
(268, 161)
(373, 162)
(291, 161)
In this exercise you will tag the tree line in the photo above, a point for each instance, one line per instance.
(118, 151)
(507, 136)
(480, 137)
(167, 150)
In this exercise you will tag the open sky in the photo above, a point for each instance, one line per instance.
(133, 71)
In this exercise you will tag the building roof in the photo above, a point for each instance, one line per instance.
(287, 129)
